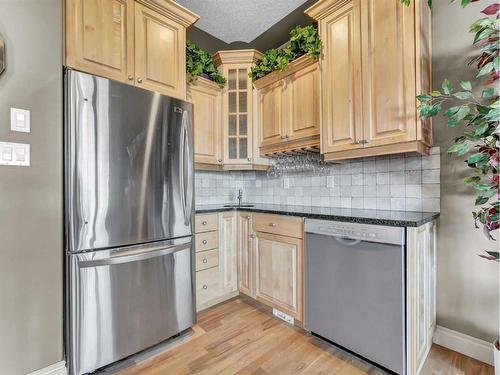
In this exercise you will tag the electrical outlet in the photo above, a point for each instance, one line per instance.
(330, 181)
(286, 183)
(280, 314)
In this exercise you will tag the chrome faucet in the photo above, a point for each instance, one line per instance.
(240, 196)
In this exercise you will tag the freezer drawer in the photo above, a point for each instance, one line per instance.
(125, 300)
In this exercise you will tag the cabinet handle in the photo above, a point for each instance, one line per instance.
(204, 260)
(204, 242)
(130, 77)
(204, 223)
(273, 225)
(139, 80)
(205, 287)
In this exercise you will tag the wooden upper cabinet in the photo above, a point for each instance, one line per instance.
(279, 269)
(289, 107)
(100, 37)
(238, 110)
(375, 60)
(389, 69)
(304, 106)
(206, 97)
(140, 42)
(342, 126)
(160, 53)
(270, 114)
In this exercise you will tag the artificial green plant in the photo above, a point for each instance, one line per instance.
(303, 40)
(200, 62)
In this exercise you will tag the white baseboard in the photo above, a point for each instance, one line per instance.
(58, 368)
(464, 344)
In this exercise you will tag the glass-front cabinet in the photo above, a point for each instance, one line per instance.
(238, 135)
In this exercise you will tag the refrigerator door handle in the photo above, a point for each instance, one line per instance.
(186, 168)
(133, 256)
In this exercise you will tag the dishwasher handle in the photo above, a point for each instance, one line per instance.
(347, 241)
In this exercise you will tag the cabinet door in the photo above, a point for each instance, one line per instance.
(270, 112)
(228, 253)
(245, 254)
(160, 53)
(389, 103)
(341, 79)
(238, 112)
(278, 273)
(303, 96)
(100, 37)
(207, 117)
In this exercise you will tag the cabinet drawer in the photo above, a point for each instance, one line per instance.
(206, 241)
(205, 223)
(207, 259)
(207, 285)
(279, 224)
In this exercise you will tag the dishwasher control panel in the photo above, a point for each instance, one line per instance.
(356, 231)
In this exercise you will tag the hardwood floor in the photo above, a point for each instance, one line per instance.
(237, 338)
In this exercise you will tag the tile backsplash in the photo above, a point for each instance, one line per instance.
(398, 182)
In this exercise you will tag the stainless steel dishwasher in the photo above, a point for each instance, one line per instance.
(355, 289)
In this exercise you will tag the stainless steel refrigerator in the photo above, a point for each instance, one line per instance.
(129, 202)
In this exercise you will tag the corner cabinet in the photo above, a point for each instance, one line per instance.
(238, 110)
(206, 97)
(141, 42)
(375, 60)
(289, 108)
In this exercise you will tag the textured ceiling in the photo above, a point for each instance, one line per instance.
(239, 20)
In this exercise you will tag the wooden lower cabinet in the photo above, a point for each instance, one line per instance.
(421, 294)
(245, 254)
(279, 273)
(215, 258)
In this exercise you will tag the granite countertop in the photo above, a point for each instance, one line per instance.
(378, 217)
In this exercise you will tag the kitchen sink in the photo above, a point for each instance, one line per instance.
(238, 205)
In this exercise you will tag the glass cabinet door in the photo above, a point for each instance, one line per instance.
(239, 114)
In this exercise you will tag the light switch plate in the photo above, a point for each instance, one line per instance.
(20, 120)
(330, 181)
(16, 154)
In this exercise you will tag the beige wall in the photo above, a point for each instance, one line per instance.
(31, 226)
(468, 296)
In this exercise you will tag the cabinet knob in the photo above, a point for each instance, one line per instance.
(130, 77)
(204, 242)
(139, 80)
(357, 141)
(273, 225)
(248, 218)
(204, 260)
(249, 159)
(252, 235)
(204, 223)
(220, 160)
(367, 140)
(205, 287)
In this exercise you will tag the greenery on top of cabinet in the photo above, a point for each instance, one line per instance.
(199, 62)
(303, 40)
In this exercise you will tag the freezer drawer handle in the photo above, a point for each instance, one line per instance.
(118, 259)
